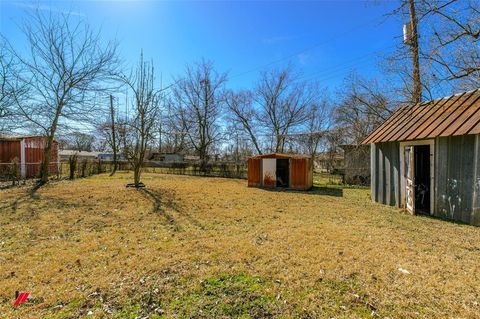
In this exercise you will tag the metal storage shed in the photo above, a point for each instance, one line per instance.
(28, 150)
(280, 170)
(425, 158)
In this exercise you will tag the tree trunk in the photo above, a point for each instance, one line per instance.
(45, 168)
(136, 175)
(114, 139)
(73, 165)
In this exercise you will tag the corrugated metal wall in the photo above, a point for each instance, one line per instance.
(34, 147)
(9, 150)
(254, 171)
(33, 155)
(457, 177)
(301, 173)
(385, 168)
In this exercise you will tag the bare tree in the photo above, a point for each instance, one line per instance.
(199, 97)
(362, 106)
(315, 128)
(242, 112)
(455, 40)
(80, 141)
(446, 56)
(282, 103)
(138, 131)
(11, 89)
(67, 64)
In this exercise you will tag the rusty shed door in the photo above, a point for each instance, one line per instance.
(254, 171)
(298, 168)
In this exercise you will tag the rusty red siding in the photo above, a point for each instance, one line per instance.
(300, 171)
(254, 171)
(10, 148)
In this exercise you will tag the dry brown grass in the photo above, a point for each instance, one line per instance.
(207, 247)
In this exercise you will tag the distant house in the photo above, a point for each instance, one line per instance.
(107, 157)
(356, 164)
(425, 158)
(27, 151)
(191, 158)
(167, 157)
(81, 155)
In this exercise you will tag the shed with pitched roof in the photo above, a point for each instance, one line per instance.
(425, 158)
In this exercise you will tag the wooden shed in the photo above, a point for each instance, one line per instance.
(425, 158)
(280, 170)
(28, 151)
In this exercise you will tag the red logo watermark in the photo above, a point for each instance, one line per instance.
(21, 298)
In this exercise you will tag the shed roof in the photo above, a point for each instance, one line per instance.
(281, 155)
(5, 137)
(458, 114)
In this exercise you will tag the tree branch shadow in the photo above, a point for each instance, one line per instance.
(165, 199)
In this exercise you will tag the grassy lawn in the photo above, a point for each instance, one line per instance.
(211, 247)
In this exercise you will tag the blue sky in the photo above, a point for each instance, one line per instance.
(325, 40)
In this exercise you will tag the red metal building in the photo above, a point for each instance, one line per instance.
(28, 151)
(280, 170)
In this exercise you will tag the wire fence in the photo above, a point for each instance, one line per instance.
(12, 172)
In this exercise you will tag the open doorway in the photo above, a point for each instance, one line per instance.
(421, 169)
(282, 172)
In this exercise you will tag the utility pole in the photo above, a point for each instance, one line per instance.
(114, 137)
(412, 40)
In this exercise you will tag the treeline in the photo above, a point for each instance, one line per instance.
(72, 86)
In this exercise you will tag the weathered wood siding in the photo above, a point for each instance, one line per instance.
(455, 178)
(385, 170)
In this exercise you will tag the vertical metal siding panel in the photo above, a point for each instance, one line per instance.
(9, 150)
(395, 164)
(387, 156)
(381, 174)
(299, 173)
(475, 215)
(310, 173)
(373, 168)
(466, 174)
(458, 178)
(441, 196)
(254, 171)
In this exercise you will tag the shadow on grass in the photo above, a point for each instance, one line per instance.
(442, 218)
(315, 190)
(166, 199)
(156, 199)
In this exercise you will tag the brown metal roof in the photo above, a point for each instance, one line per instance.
(458, 114)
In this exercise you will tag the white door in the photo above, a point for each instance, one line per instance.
(409, 180)
(269, 167)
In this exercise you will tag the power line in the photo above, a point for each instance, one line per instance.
(308, 48)
(333, 70)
